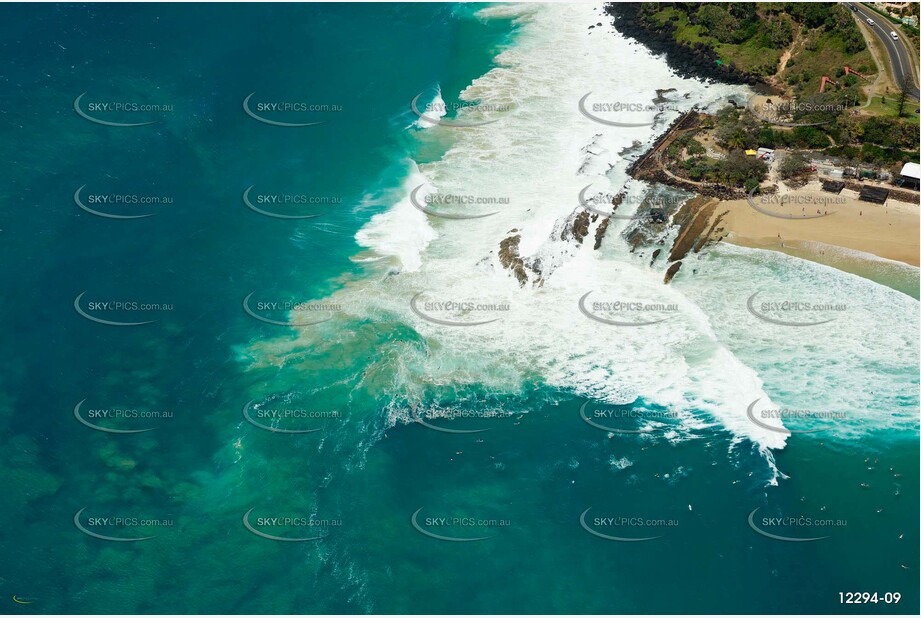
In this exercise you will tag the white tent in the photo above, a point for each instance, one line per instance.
(911, 170)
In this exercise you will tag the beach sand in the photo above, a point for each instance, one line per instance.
(890, 231)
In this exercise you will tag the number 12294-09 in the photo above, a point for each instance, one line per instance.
(849, 598)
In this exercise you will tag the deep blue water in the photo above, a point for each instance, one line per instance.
(203, 252)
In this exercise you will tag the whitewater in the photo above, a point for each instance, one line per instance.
(706, 363)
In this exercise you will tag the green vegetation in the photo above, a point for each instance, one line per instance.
(793, 166)
(685, 144)
(791, 45)
(912, 31)
(888, 105)
(736, 170)
(880, 140)
(751, 37)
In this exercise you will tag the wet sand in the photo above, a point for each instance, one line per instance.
(889, 231)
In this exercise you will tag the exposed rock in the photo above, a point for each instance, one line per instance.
(660, 95)
(510, 259)
(687, 61)
(655, 254)
(600, 231)
(649, 163)
(651, 224)
(707, 238)
(577, 228)
(692, 220)
(672, 270)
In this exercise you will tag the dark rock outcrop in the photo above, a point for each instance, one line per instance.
(671, 272)
(577, 228)
(510, 259)
(692, 220)
(600, 232)
(687, 61)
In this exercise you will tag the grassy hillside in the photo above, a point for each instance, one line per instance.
(790, 45)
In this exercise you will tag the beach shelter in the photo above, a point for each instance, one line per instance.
(876, 195)
(910, 176)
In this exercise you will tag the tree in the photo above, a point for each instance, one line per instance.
(721, 24)
(780, 32)
(740, 170)
(850, 130)
(903, 95)
(793, 165)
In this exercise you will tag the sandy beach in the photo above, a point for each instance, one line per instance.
(890, 231)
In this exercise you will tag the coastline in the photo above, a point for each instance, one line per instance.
(880, 243)
(891, 273)
(699, 63)
(876, 242)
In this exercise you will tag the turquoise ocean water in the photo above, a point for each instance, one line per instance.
(373, 487)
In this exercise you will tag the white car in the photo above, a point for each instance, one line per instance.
(871, 22)
(894, 36)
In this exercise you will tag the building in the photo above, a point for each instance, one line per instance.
(893, 7)
(875, 195)
(910, 176)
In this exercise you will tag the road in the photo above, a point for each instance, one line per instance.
(898, 50)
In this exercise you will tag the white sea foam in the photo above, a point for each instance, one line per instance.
(618, 464)
(403, 231)
(435, 110)
(861, 368)
(539, 156)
